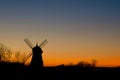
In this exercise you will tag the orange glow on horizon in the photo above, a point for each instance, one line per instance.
(104, 62)
(54, 58)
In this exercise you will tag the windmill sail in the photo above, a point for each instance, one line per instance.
(43, 43)
(26, 58)
(28, 42)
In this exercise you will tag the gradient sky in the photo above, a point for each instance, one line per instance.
(76, 30)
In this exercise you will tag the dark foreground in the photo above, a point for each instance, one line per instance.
(21, 72)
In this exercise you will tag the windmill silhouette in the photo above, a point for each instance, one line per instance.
(36, 54)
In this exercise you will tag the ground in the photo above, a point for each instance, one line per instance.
(17, 71)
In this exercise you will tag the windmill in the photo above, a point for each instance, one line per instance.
(36, 53)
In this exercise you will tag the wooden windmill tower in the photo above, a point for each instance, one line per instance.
(36, 54)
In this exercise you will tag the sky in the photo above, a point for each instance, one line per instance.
(76, 30)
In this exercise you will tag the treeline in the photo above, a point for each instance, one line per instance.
(81, 64)
(7, 55)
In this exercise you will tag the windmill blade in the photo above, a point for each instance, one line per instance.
(43, 43)
(28, 42)
(27, 57)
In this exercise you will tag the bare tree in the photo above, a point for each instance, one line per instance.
(94, 62)
(19, 56)
(9, 55)
(3, 50)
(6, 55)
(87, 64)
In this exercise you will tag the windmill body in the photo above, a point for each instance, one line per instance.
(37, 60)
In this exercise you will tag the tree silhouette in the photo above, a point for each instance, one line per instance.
(3, 50)
(7, 55)
(87, 64)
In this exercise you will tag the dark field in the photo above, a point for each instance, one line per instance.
(17, 71)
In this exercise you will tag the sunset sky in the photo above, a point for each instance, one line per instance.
(76, 30)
